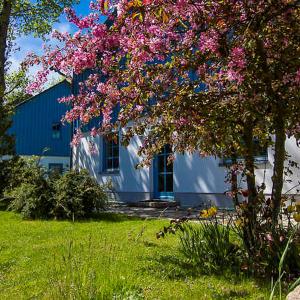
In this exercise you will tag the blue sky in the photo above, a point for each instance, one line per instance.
(29, 43)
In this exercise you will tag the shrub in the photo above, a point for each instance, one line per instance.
(266, 242)
(28, 191)
(7, 171)
(33, 201)
(34, 193)
(77, 195)
(209, 245)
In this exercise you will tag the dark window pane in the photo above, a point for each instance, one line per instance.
(56, 130)
(109, 164)
(168, 149)
(115, 151)
(116, 163)
(161, 185)
(109, 152)
(169, 183)
(161, 163)
(169, 166)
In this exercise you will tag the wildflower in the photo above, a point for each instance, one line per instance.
(290, 208)
(296, 217)
(208, 213)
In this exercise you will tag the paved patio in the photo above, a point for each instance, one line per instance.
(154, 213)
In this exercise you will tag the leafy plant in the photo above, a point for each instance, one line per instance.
(28, 191)
(33, 201)
(281, 271)
(267, 241)
(77, 195)
(209, 245)
(35, 193)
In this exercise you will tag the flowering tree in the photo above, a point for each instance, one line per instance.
(203, 76)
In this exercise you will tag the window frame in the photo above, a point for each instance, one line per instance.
(56, 131)
(261, 158)
(106, 157)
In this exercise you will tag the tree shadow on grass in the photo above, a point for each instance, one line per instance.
(175, 267)
(169, 266)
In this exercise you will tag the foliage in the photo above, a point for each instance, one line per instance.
(77, 195)
(281, 272)
(210, 247)
(47, 260)
(16, 83)
(33, 201)
(210, 241)
(30, 190)
(268, 242)
(203, 76)
(17, 170)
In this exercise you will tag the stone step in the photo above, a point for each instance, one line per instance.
(157, 203)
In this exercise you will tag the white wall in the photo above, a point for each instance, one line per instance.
(290, 181)
(128, 179)
(192, 173)
(46, 160)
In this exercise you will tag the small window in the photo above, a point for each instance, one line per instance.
(55, 168)
(111, 154)
(56, 131)
(260, 154)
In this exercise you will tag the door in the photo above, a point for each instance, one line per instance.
(163, 175)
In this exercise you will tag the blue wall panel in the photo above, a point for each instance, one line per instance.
(33, 121)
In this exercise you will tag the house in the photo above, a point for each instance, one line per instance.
(38, 129)
(191, 180)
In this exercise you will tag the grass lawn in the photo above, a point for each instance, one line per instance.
(112, 258)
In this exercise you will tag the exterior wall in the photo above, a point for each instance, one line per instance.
(33, 120)
(197, 181)
(130, 184)
(63, 160)
(46, 160)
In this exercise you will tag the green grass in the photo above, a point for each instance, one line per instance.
(110, 258)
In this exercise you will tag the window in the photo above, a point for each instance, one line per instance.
(56, 131)
(55, 168)
(260, 155)
(111, 154)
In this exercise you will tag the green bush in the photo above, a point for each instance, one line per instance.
(7, 171)
(28, 189)
(77, 195)
(33, 201)
(209, 246)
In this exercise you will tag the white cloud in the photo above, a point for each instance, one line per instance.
(63, 27)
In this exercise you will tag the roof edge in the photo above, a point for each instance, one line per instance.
(46, 90)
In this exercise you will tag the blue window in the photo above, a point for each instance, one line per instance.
(260, 154)
(111, 154)
(56, 131)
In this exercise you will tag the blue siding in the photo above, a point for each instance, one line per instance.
(33, 120)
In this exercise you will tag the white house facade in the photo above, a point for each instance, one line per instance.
(192, 181)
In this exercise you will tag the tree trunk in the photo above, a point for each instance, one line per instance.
(249, 162)
(6, 141)
(279, 158)
(4, 26)
(234, 180)
(249, 229)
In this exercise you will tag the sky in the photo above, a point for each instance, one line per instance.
(27, 44)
